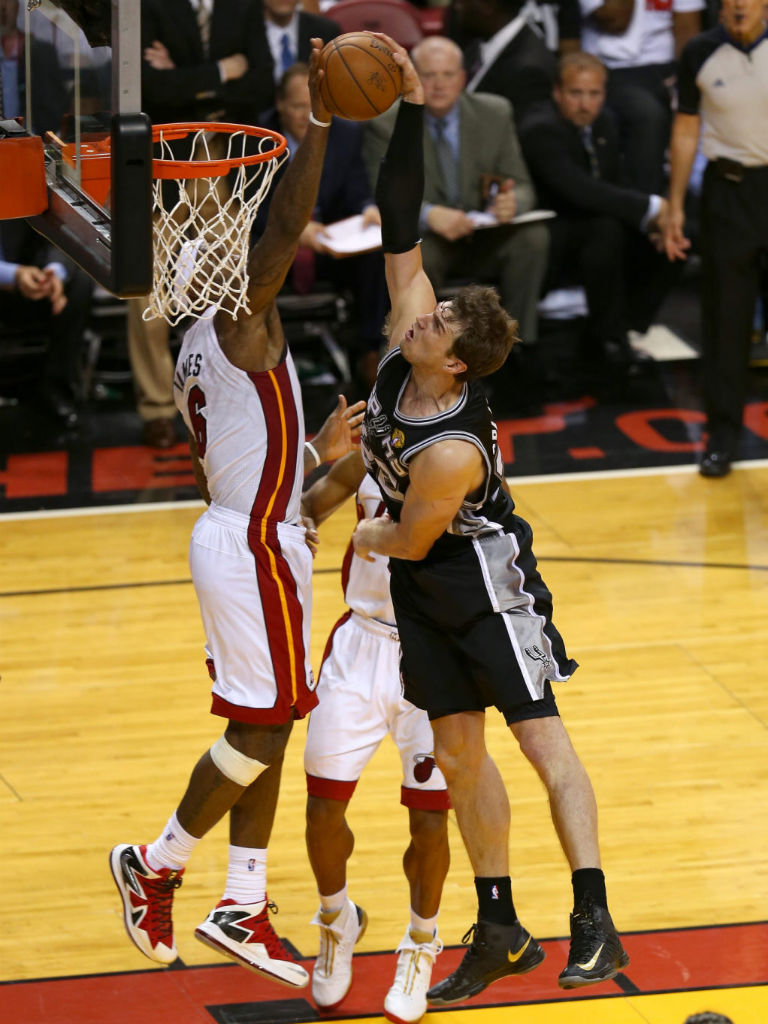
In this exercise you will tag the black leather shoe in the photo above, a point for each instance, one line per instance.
(59, 401)
(715, 463)
(620, 355)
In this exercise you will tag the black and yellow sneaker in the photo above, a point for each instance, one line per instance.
(596, 952)
(496, 950)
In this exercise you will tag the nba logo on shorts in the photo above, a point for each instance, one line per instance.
(494, 892)
(252, 864)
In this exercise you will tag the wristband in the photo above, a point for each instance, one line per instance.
(320, 124)
(313, 453)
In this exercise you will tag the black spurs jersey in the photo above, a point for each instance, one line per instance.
(390, 440)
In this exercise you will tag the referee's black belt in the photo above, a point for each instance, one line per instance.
(732, 170)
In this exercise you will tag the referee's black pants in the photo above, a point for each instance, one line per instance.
(734, 244)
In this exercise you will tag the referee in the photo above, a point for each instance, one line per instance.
(723, 91)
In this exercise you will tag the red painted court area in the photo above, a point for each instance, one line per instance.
(663, 961)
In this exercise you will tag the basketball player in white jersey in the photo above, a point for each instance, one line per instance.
(360, 702)
(473, 613)
(237, 389)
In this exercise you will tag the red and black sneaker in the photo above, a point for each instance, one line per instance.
(242, 932)
(147, 898)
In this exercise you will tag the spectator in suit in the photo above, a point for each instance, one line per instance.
(503, 54)
(42, 291)
(639, 41)
(599, 238)
(344, 191)
(288, 32)
(470, 138)
(203, 60)
(723, 98)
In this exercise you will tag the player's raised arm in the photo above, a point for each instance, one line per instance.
(293, 201)
(399, 193)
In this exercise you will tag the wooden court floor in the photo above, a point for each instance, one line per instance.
(661, 592)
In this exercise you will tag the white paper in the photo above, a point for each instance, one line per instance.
(482, 219)
(347, 237)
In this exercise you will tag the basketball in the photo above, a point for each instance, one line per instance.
(361, 78)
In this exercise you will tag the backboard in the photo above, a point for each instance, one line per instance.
(71, 69)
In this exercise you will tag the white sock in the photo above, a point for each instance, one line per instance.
(427, 925)
(334, 903)
(246, 875)
(172, 848)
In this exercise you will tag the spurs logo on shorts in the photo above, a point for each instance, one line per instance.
(536, 654)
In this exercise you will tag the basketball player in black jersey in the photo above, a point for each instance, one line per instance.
(474, 615)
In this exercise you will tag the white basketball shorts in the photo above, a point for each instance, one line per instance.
(360, 701)
(255, 592)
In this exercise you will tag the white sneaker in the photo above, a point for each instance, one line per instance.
(406, 1001)
(243, 932)
(332, 973)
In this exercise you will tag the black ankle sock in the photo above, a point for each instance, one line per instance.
(494, 899)
(592, 881)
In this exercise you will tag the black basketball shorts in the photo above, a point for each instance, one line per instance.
(476, 630)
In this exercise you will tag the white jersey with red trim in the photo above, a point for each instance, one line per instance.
(366, 584)
(249, 427)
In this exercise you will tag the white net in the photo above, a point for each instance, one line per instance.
(202, 226)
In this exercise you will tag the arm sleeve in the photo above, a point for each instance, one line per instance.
(400, 187)
(695, 52)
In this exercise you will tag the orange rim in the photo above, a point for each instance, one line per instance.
(175, 169)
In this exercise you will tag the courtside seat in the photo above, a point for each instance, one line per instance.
(312, 323)
(395, 17)
(21, 350)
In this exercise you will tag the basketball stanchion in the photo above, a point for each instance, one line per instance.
(204, 207)
(22, 172)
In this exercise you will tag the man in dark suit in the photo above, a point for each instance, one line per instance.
(344, 191)
(204, 58)
(600, 237)
(475, 134)
(503, 54)
(288, 34)
(43, 292)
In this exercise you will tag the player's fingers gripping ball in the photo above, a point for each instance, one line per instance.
(362, 78)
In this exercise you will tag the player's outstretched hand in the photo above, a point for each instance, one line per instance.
(342, 428)
(413, 90)
(316, 73)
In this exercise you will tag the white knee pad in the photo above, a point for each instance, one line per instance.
(236, 766)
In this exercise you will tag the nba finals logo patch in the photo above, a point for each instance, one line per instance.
(398, 439)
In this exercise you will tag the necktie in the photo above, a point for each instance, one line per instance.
(448, 164)
(586, 138)
(204, 24)
(286, 53)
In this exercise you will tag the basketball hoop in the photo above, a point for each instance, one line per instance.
(202, 228)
